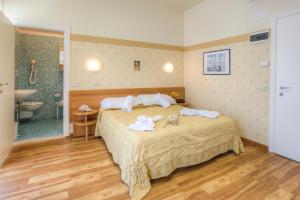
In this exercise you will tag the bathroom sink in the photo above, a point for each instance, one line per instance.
(22, 94)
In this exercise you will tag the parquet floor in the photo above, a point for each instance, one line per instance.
(75, 169)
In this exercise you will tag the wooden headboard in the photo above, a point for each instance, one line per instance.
(93, 98)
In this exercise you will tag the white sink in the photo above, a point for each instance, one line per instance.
(22, 94)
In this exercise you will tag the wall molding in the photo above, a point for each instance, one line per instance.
(39, 32)
(133, 43)
(221, 42)
(121, 42)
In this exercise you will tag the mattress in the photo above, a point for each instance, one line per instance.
(143, 156)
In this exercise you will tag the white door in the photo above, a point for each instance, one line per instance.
(287, 102)
(7, 69)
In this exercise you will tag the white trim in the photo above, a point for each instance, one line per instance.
(67, 46)
(273, 78)
(1, 5)
(272, 86)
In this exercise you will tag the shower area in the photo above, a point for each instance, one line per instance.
(39, 84)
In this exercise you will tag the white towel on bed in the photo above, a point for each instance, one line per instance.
(202, 113)
(145, 123)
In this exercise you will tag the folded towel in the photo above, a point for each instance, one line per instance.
(84, 108)
(202, 113)
(145, 123)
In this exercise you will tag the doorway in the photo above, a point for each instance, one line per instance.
(41, 82)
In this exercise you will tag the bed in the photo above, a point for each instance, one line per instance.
(143, 156)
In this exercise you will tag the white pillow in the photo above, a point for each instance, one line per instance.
(113, 103)
(147, 99)
(150, 99)
(119, 102)
(162, 101)
(168, 98)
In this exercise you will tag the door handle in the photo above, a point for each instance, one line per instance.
(283, 90)
(2, 84)
(284, 87)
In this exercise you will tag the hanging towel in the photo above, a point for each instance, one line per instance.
(202, 113)
(145, 123)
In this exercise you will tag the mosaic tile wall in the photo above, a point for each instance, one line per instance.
(49, 78)
(243, 96)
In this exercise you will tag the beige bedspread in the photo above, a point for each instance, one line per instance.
(149, 155)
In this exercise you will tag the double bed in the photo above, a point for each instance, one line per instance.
(143, 156)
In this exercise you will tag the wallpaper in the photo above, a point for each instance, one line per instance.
(118, 67)
(243, 95)
(49, 79)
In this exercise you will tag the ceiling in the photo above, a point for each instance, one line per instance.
(182, 5)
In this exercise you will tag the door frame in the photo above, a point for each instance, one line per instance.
(273, 69)
(66, 88)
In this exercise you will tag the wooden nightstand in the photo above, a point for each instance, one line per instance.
(84, 119)
(185, 104)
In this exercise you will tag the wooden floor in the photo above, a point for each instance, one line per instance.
(75, 169)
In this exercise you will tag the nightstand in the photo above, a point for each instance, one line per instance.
(185, 104)
(84, 120)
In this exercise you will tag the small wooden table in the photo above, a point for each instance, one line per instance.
(185, 104)
(83, 119)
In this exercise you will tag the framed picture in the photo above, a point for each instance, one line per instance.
(216, 62)
(137, 65)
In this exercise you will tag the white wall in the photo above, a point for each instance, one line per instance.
(1, 4)
(215, 19)
(7, 68)
(145, 20)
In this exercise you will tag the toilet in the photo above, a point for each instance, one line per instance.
(27, 109)
(31, 106)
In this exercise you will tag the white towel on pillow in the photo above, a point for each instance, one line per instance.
(128, 104)
(202, 113)
(145, 123)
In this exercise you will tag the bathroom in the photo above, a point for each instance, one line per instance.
(39, 83)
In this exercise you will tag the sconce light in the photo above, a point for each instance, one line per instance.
(168, 67)
(93, 65)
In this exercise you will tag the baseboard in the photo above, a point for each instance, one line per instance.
(2, 161)
(251, 142)
(38, 140)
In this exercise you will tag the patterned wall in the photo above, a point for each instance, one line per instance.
(117, 70)
(49, 79)
(242, 96)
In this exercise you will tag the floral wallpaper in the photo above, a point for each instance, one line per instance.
(118, 67)
(49, 79)
(243, 95)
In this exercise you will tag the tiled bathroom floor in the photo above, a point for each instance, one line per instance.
(39, 129)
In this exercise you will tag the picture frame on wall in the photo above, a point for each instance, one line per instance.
(217, 62)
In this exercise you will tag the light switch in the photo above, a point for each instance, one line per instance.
(264, 63)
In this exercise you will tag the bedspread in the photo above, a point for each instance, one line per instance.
(143, 156)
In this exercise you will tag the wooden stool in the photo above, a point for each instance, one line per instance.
(82, 119)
